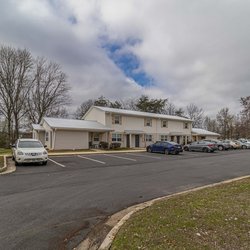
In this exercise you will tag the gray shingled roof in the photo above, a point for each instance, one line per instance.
(73, 124)
(143, 114)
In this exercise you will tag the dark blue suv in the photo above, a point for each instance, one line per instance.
(166, 147)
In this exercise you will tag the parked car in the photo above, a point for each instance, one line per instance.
(29, 150)
(202, 146)
(166, 147)
(243, 145)
(220, 145)
(232, 144)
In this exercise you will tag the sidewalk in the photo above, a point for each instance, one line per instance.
(97, 151)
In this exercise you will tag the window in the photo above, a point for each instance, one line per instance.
(148, 122)
(46, 136)
(96, 137)
(164, 137)
(116, 137)
(164, 123)
(117, 119)
(186, 125)
(148, 137)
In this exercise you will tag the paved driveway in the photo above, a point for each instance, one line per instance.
(55, 206)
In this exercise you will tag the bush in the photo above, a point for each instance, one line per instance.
(103, 145)
(115, 145)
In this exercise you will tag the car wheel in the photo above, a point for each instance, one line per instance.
(149, 150)
(44, 163)
(16, 163)
(205, 150)
(13, 158)
(166, 152)
(186, 148)
(220, 148)
(244, 146)
(177, 152)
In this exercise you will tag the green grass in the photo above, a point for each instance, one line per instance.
(4, 151)
(212, 218)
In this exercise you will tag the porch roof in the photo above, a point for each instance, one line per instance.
(73, 124)
(134, 132)
(179, 134)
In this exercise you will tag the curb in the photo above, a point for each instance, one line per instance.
(6, 169)
(107, 242)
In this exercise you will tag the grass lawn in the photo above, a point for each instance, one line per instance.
(212, 218)
(4, 151)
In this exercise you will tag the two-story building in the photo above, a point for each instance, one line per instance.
(130, 128)
(139, 129)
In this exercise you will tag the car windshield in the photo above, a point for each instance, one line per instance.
(30, 144)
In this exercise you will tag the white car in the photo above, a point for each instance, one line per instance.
(28, 151)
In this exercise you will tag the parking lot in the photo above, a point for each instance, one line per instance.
(55, 206)
(91, 161)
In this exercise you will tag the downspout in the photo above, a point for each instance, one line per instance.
(54, 139)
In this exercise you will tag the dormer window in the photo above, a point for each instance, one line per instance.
(148, 122)
(117, 119)
(164, 123)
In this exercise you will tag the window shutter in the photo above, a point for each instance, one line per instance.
(113, 119)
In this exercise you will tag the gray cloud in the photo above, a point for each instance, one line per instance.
(197, 51)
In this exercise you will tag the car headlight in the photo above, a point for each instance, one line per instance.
(19, 152)
(45, 152)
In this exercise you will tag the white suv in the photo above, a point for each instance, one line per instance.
(29, 150)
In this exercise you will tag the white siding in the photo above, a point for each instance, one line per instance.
(65, 139)
(96, 115)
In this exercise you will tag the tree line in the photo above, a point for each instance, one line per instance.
(225, 123)
(30, 88)
(34, 87)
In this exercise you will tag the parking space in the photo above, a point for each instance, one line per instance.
(89, 161)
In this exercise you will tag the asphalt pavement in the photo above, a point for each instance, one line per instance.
(56, 206)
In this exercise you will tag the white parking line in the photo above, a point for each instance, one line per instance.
(90, 159)
(119, 157)
(57, 163)
(146, 156)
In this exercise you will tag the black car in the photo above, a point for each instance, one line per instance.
(166, 147)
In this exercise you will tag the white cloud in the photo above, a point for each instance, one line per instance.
(197, 51)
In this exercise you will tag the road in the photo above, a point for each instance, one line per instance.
(55, 206)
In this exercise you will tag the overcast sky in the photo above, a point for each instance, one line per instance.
(188, 51)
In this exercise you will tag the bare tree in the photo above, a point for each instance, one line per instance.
(170, 109)
(210, 124)
(83, 108)
(49, 94)
(196, 114)
(225, 123)
(15, 65)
